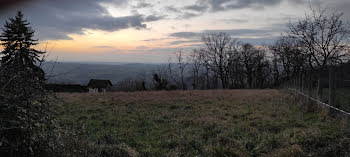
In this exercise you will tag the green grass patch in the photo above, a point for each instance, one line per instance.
(205, 123)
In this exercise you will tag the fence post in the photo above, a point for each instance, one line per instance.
(302, 82)
(309, 103)
(331, 93)
(319, 86)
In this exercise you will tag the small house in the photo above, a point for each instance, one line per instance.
(99, 86)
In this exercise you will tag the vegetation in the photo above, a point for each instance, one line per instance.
(27, 119)
(201, 123)
(183, 123)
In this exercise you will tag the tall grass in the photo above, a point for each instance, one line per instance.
(203, 123)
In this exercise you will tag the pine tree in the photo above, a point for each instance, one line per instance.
(27, 119)
(18, 55)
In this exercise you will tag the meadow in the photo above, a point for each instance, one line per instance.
(198, 123)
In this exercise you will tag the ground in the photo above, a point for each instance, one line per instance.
(204, 123)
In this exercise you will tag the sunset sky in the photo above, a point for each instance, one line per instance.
(150, 31)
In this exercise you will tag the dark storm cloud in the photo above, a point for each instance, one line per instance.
(55, 19)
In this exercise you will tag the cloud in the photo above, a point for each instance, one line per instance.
(242, 32)
(195, 7)
(141, 47)
(199, 7)
(185, 34)
(235, 20)
(253, 36)
(104, 47)
(151, 18)
(240, 4)
(184, 42)
(9, 4)
(222, 5)
(142, 4)
(155, 39)
(56, 19)
(188, 15)
(260, 40)
(233, 32)
(173, 9)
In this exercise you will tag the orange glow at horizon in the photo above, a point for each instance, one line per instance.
(129, 41)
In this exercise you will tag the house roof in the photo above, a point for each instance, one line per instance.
(94, 83)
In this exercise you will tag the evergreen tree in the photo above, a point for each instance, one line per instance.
(18, 55)
(27, 126)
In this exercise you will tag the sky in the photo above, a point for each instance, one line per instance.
(150, 31)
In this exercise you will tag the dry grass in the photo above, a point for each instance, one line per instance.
(204, 123)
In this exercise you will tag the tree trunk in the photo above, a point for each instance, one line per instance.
(194, 80)
(183, 82)
(207, 74)
(250, 80)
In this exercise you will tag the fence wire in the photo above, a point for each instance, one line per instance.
(329, 86)
(319, 102)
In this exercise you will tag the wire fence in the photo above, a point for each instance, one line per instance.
(329, 87)
(319, 102)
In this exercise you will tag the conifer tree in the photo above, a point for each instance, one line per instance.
(27, 125)
(18, 55)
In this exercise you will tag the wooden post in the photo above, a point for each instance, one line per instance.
(331, 93)
(302, 82)
(319, 86)
(309, 103)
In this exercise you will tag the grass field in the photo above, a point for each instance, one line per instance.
(202, 123)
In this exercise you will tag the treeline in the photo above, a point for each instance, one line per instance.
(311, 44)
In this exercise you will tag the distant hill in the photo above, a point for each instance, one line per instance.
(81, 73)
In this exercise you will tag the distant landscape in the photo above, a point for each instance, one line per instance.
(196, 78)
(81, 73)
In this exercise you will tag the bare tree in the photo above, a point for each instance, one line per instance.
(182, 64)
(217, 54)
(249, 62)
(195, 62)
(160, 78)
(261, 69)
(177, 70)
(290, 55)
(325, 36)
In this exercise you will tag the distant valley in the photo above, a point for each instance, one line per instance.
(81, 73)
